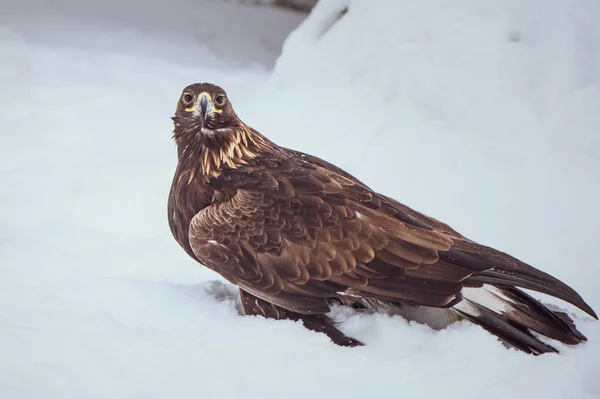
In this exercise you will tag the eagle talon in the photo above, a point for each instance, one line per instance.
(349, 342)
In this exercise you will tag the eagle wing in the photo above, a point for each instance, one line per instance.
(296, 231)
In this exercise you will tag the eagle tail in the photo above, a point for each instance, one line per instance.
(517, 318)
(502, 270)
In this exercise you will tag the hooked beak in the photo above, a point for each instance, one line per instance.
(203, 108)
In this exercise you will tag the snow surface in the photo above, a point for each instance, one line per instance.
(483, 114)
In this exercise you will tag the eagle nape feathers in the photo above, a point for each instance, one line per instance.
(297, 235)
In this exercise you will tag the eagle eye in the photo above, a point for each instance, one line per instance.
(220, 100)
(187, 99)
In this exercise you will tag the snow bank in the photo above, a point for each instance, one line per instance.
(459, 111)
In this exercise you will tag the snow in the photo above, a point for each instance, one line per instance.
(482, 114)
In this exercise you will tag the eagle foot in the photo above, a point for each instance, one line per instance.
(320, 323)
(347, 341)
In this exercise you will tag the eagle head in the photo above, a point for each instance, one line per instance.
(204, 114)
(208, 132)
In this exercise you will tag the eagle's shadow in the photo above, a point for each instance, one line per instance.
(219, 291)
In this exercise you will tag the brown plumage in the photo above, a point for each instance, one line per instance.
(297, 234)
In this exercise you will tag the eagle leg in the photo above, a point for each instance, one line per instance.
(318, 322)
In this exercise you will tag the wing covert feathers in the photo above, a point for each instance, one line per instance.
(298, 233)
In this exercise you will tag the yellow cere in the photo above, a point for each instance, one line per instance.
(208, 99)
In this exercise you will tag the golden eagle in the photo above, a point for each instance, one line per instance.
(297, 235)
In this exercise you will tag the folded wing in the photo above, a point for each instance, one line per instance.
(296, 232)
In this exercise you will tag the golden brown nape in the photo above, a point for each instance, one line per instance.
(297, 235)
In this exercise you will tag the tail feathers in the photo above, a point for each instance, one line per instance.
(500, 269)
(532, 313)
(540, 282)
(514, 317)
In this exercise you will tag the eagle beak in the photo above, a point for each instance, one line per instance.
(204, 108)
